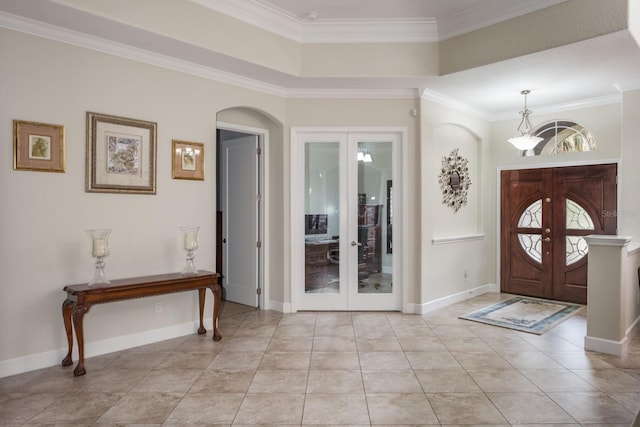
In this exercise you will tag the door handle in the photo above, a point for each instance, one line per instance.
(354, 243)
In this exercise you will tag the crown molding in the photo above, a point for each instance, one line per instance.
(258, 14)
(55, 33)
(262, 15)
(566, 106)
(489, 13)
(353, 93)
(281, 89)
(453, 103)
(462, 107)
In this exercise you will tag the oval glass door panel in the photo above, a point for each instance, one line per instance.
(578, 218)
(532, 245)
(532, 216)
(532, 242)
(322, 217)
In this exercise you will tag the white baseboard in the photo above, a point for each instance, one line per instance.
(616, 348)
(282, 307)
(47, 359)
(601, 345)
(430, 306)
(633, 329)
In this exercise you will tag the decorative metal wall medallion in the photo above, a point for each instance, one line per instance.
(454, 180)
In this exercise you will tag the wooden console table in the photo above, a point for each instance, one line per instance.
(81, 297)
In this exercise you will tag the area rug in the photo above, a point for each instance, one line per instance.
(526, 314)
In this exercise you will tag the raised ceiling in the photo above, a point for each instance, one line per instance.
(588, 72)
(438, 19)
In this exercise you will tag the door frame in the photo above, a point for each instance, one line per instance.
(499, 170)
(263, 214)
(400, 167)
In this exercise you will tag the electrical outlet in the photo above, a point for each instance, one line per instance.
(158, 307)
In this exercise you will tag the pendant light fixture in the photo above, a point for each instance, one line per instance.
(523, 139)
(364, 156)
(368, 158)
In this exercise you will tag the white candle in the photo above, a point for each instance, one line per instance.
(189, 240)
(99, 247)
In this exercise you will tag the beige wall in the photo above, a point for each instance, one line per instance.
(634, 19)
(43, 244)
(565, 23)
(444, 265)
(629, 207)
(201, 26)
(370, 59)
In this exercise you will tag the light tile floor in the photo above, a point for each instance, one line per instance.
(341, 368)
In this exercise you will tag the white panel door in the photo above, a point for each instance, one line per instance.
(239, 176)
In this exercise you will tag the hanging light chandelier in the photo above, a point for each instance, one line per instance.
(365, 156)
(523, 139)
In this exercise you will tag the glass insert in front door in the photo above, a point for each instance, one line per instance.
(322, 217)
(375, 217)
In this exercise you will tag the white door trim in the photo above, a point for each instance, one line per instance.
(263, 270)
(297, 210)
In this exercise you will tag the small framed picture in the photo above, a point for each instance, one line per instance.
(121, 155)
(188, 160)
(38, 147)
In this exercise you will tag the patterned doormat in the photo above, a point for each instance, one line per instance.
(532, 315)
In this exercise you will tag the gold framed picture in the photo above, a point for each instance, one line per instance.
(188, 160)
(121, 155)
(38, 147)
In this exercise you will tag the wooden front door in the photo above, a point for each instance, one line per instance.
(545, 214)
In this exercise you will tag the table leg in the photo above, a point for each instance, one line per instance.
(201, 296)
(217, 299)
(78, 315)
(67, 306)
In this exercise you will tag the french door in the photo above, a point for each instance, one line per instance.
(545, 214)
(343, 220)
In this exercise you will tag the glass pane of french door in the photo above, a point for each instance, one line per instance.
(322, 217)
(374, 217)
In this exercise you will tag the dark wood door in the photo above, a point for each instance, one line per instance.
(545, 214)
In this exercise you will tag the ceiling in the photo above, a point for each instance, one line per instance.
(585, 73)
(600, 69)
(453, 17)
(368, 9)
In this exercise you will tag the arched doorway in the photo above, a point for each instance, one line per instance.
(246, 140)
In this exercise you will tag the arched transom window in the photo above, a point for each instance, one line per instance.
(562, 136)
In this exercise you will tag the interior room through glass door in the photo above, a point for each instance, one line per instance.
(324, 194)
(371, 220)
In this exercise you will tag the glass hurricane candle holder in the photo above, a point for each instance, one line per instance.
(190, 244)
(99, 250)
